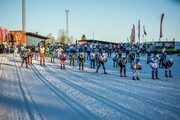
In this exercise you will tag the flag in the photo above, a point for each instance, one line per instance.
(139, 30)
(134, 33)
(131, 35)
(1, 35)
(144, 31)
(6, 34)
(161, 34)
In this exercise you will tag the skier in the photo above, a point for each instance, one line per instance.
(42, 56)
(101, 61)
(15, 51)
(154, 65)
(92, 56)
(24, 57)
(162, 58)
(52, 54)
(88, 53)
(168, 65)
(115, 60)
(62, 61)
(36, 53)
(131, 57)
(122, 65)
(72, 58)
(148, 56)
(136, 67)
(30, 55)
(81, 61)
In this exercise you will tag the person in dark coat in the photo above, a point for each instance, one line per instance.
(122, 65)
(168, 65)
(81, 61)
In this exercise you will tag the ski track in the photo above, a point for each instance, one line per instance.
(27, 103)
(29, 94)
(84, 113)
(11, 100)
(138, 84)
(112, 104)
(135, 84)
(82, 96)
(155, 103)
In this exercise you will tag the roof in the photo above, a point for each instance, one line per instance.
(100, 41)
(36, 35)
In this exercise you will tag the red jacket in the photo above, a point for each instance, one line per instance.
(63, 58)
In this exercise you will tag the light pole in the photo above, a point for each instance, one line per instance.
(23, 16)
(67, 30)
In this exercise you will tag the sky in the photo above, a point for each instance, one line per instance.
(108, 20)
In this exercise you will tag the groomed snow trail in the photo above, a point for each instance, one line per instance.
(48, 93)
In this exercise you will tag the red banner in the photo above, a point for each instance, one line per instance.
(161, 34)
(6, 34)
(139, 30)
(1, 35)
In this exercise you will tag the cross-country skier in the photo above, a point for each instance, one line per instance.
(136, 67)
(81, 61)
(122, 65)
(63, 61)
(101, 61)
(168, 65)
(154, 65)
(42, 55)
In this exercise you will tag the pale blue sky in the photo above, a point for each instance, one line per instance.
(109, 20)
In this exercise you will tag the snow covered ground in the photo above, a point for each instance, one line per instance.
(49, 93)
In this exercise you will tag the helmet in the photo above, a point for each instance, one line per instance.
(157, 56)
(103, 54)
(138, 63)
(171, 60)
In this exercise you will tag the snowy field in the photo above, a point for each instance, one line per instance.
(48, 93)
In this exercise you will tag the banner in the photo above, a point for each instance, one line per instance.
(134, 33)
(161, 34)
(139, 30)
(131, 36)
(144, 31)
(1, 35)
(6, 35)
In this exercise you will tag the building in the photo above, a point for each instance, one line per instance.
(25, 38)
(34, 39)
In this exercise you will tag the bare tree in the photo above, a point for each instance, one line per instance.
(61, 36)
(51, 39)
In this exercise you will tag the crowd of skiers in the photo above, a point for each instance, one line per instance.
(97, 56)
